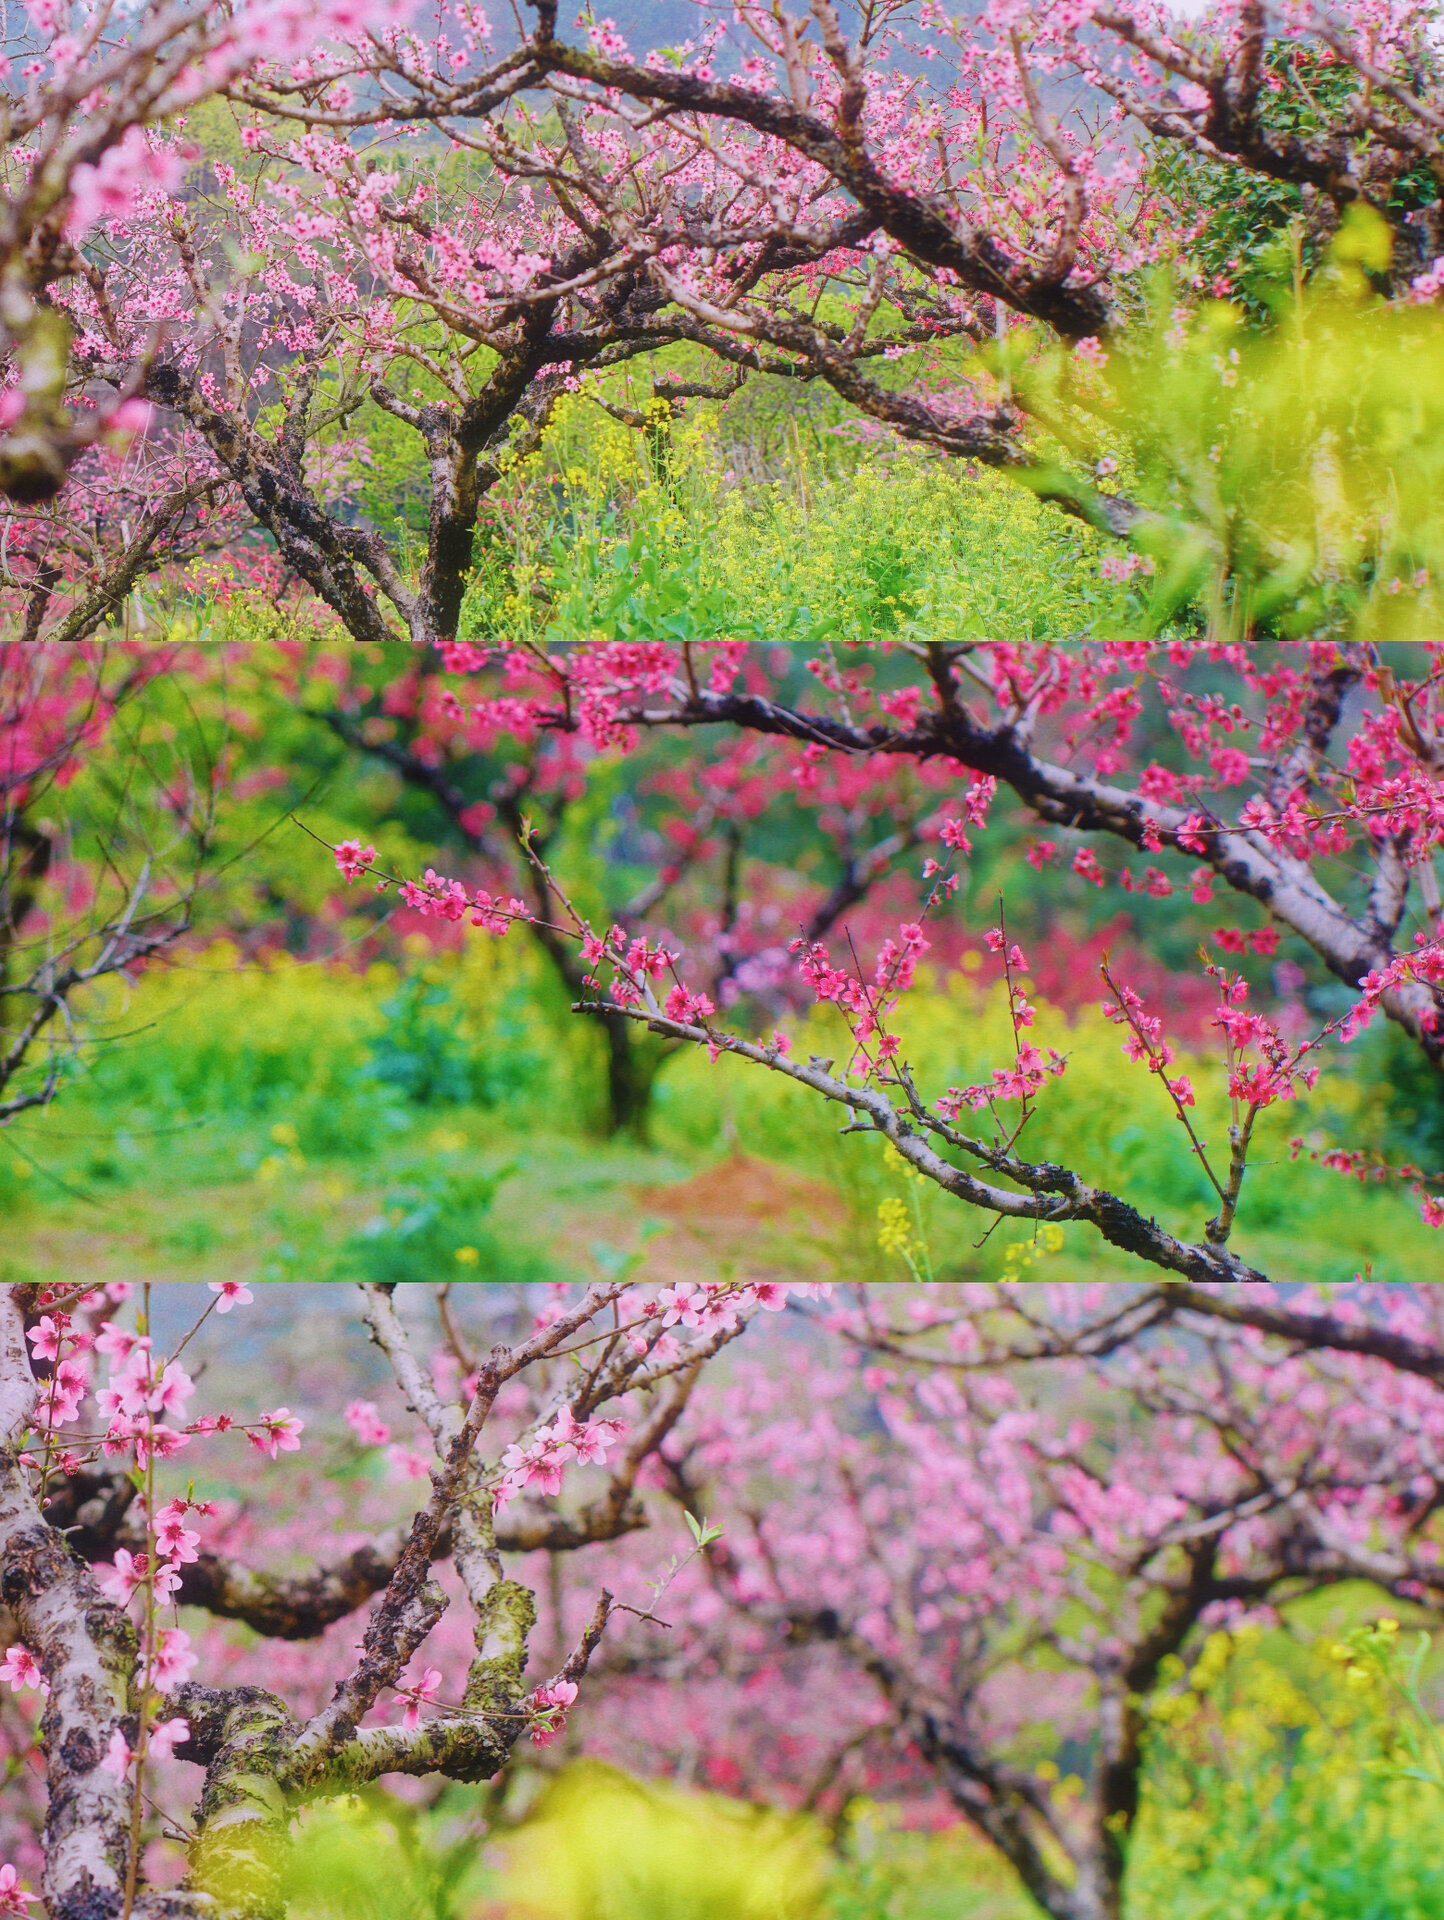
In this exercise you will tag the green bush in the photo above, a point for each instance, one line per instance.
(437, 1226)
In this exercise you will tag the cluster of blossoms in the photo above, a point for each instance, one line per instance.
(439, 898)
(1425, 964)
(1276, 1072)
(1145, 1042)
(364, 1419)
(539, 1461)
(176, 1546)
(1031, 1069)
(865, 1004)
(434, 896)
(141, 1392)
(707, 1305)
(549, 1706)
(536, 1462)
(1373, 1169)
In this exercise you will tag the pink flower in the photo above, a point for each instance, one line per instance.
(68, 1386)
(130, 417)
(587, 1444)
(173, 1662)
(173, 1537)
(46, 1336)
(406, 1464)
(353, 859)
(13, 1897)
(171, 1392)
(366, 1423)
(979, 798)
(118, 1755)
(166, 1737)
(280, 1433)
(119, 1582)
(1230, 765)
(424, 1692)
(22, 1669)
(157, 1442)
(687, 1007)
(552, 1703)
(687, 1302)
(234, 1293)
(117, 1341)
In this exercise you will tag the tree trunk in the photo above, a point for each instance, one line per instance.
(632, 1068)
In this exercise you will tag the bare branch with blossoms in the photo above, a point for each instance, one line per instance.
(881, 1087)
(101, 1641)
(508, 790)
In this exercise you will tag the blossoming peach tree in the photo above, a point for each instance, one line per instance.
(983, 1543)
(949, 222)
(104, 1536)
(1298, 780)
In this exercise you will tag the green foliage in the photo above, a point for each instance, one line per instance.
(1373, 1657)
(1410, 1099)
(433, 1053)
(886, 1872)
(437, 1226)
(1259, 234)
(221, 1041)
(1295, 474)
(1266, 1796)
(376, 1858)
(616, 548)
(421, 1051)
